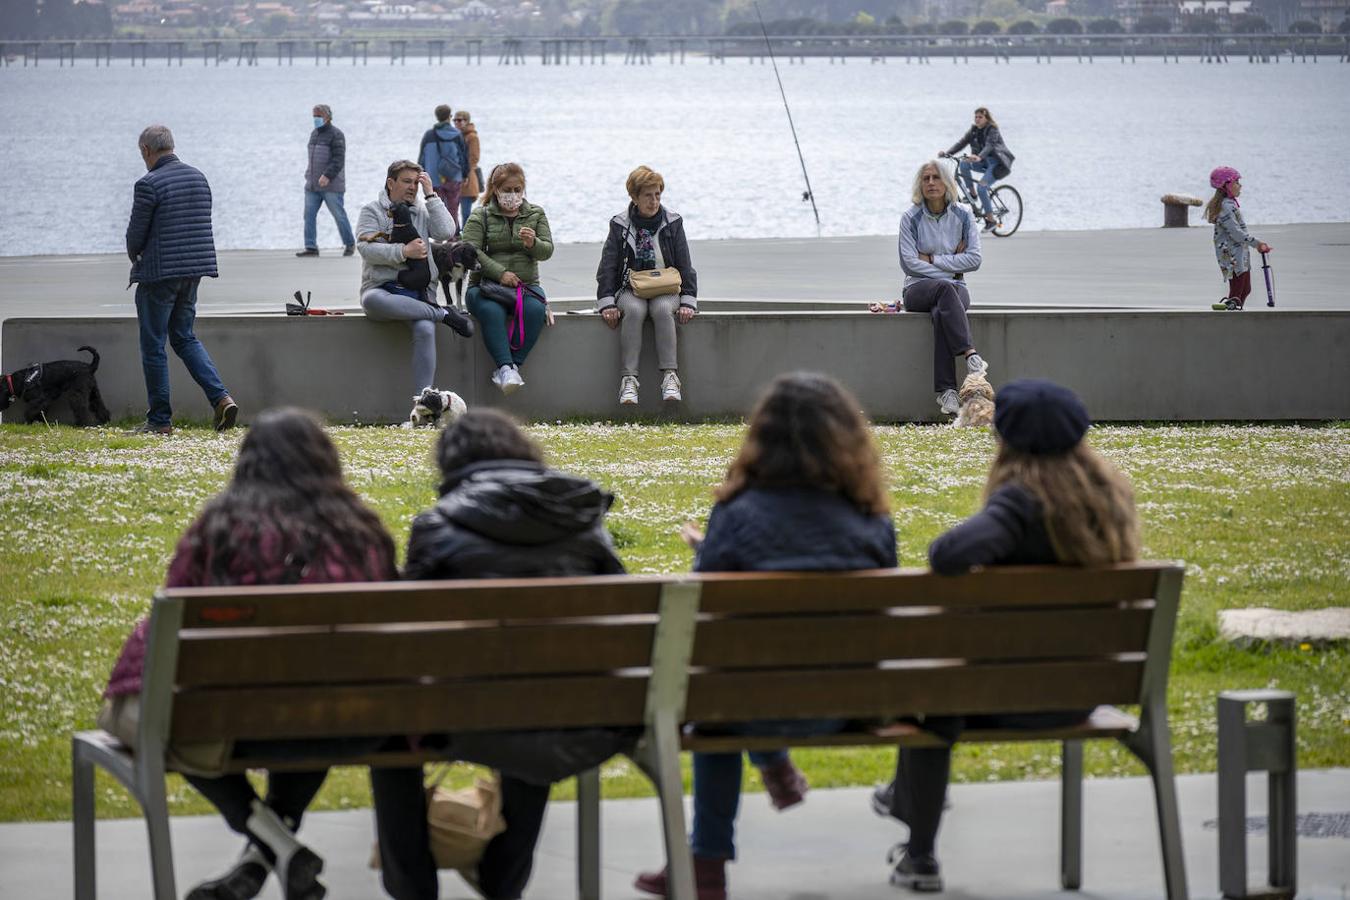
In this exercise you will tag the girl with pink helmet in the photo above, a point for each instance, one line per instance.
(1231, 238)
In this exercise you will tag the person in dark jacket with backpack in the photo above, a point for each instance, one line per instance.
(171, 246)
(502, 514)
(444, 154)
(804, 494)
(326, 182)
(1050, 499)
(988, 157)
(646, 236)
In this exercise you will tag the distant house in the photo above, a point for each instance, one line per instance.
(477, 9)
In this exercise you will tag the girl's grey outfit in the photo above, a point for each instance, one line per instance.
(380, 265)
(637, 243)
(938, 288)
(1231, 240)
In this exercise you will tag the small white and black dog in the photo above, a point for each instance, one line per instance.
(43, 384)
(436, 408)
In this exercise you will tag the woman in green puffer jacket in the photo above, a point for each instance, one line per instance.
(512, 238)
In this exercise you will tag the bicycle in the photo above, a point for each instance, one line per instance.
(1004, 199)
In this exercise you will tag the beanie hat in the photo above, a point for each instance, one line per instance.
(1039, 417)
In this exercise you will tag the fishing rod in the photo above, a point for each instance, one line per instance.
(807, 194)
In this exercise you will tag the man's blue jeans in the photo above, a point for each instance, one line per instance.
(166, 310)
(986, 169)
(717, 783)
(333, 200)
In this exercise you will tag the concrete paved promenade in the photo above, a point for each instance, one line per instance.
(1141, 268)
(998, 841)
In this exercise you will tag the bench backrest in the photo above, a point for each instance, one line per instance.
(423, 657)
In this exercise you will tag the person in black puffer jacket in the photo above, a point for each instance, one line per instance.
(805, 493)
(1050, 499)
(502, 514)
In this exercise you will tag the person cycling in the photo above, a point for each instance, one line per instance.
(988, 156)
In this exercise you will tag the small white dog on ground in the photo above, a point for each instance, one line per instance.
(433, 408)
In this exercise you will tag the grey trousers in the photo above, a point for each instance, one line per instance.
(635, 312)
(382, 306)
(947, 302)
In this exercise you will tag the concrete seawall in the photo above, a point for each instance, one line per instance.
(1127, 365)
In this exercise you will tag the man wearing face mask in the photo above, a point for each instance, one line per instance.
(383, 298)
(326, 182)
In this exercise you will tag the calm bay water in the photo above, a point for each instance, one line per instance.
(1096, 144)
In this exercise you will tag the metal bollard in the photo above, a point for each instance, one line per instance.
(1260, 746)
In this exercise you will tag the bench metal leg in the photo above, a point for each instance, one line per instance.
(665, 733)
(82, 817)
(1071, 817)
(588, 835)
(1153, 745)
(161, 849)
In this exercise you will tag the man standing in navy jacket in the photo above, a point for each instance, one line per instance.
(171, 247)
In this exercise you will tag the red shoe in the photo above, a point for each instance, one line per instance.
(785, 784)
(710, 880)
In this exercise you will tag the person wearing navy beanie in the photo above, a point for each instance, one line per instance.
(1049, 499)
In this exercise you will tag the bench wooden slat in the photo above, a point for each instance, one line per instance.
(939, 690)
(260, 713)
(1105, 722)
(852, 639)
(416, 601)
(749, 593)
(282, 657)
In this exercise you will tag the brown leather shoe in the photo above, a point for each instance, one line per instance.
(226, 412)
(710, 880)
(785, 784)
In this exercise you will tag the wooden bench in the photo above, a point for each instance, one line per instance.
(425, 657)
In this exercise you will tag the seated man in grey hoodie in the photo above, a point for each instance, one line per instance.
(384, 255)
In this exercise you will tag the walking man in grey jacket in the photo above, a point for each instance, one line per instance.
(326, 182)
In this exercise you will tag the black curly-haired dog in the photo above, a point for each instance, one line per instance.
(416, 273)
(43, 384)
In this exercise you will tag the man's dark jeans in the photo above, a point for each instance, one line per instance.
(166, 310)
(946, 302)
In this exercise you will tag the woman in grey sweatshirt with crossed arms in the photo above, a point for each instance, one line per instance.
(939, 243)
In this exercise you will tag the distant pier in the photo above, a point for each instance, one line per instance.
(440, 48)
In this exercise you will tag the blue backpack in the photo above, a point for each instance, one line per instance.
(449, 160)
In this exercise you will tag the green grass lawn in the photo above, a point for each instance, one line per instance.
(88, 520)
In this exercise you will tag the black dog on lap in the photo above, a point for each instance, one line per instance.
(43, 384)
(416, 273)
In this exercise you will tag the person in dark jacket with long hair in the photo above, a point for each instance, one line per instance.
(804, 493)
(646, 236)
(989, 157)
(502, 514)
(286, 517)
(1049, 499)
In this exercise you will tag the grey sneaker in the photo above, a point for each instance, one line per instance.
(949, 402)
(976, 365)
(670, 388)
(917, 873)
(511, 380)
(628, 390)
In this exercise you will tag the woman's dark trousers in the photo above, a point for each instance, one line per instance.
(947, 302)
(288, 795)
(406, 864)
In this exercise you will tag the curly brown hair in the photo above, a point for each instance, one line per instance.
(1087, 503)
(806, 431)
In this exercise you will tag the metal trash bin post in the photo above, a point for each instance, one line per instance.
(1259, 746)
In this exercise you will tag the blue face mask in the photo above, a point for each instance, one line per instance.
(318, 121)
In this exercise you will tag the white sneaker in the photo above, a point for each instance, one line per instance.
(950, 403)
(499, 374)
(511, 380)
(628, 390)
(670, 388)
(976, 365)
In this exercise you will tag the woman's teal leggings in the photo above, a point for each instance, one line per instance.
(492, 323)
